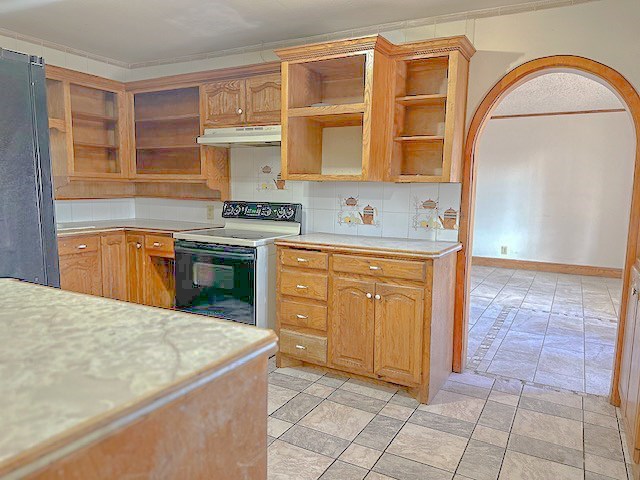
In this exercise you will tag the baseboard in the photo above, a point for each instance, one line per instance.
(547, 267)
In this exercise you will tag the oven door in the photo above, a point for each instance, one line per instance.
(216, 280)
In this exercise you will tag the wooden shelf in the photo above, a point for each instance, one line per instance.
(169, 118)
(167, 147)
(422, 99)
(346, 109)
(168, 176)
(94, 117)
(420, 138)
(58, 124)
(95, 145)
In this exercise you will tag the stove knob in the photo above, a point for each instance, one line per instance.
(237, 210)
(290, 212)
(265, 212)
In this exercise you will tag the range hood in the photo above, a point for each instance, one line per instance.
(261, 136)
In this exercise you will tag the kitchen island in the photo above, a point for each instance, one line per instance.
(372, 307)
(101, 389)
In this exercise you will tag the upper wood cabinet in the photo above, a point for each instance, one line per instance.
(237, 102)
(367, 110)
(224, 103)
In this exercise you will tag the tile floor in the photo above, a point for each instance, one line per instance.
(551, 329)
(478, 427)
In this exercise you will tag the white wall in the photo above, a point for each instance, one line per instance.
(555, 188)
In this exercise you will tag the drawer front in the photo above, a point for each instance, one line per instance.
(303, 315)
(303, 284)
(71, 245)
(160, 244)
(380, 267)
(310, 348)
(304, 258)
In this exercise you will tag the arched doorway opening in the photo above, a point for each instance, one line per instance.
(627, 94)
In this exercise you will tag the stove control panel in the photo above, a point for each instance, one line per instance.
(285, 212)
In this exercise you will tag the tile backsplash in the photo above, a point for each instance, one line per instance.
(420, 210)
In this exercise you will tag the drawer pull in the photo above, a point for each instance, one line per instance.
(302, 287)
(368, 295)
(302, 260)
(373, 267)
(82, 246)
(301, 347)
(138, 245)
(377, 297)
(157, 244)
(302, 317)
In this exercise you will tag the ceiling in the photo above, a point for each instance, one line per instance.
(558, 92)
(137, 31)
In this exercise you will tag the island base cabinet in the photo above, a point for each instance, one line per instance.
(216, 430)
(388, 319)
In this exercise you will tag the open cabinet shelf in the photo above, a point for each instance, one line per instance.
(167, 124)
(95, 131)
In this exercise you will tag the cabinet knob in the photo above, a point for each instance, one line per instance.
(239, 111)
(82, 246)
(138, 245)
(377, 297)
(368, 295)
(373, 267)
(302, 287)
(302, 317)
(156, 244)
(301, 347)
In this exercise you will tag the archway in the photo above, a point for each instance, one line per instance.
(617, 83)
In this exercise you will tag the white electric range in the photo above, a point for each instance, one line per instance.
(230, 272)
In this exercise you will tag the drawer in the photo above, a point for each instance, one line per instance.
(310, 348)
(303, 315)
(71, 245)
(304, 258)
(159, 245)
(380, 267)
(303, 284)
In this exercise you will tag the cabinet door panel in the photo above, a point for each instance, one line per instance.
(224, 103)
(627, 347)
(398, 332)
(114, 266)
(81, 272)
(135, 267)
(263, 99)
(160, 290)
(351, 325)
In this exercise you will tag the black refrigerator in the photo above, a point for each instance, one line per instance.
(28, 246)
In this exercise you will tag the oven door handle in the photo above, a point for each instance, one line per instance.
(217, 253)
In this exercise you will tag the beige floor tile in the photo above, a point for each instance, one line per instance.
(605, 466)
(364, 457)
(307, 373)
(336, 419)
(319, 390)
(601, 420)
(381, 392)
(506, 398)
(288, 462)
(397, 411)
(455, 405)
(558, 380)
(560, 431)
(554, 396)
(520, 466)
(276, 427)
(432, 447)
(278, 396)
(490, 435)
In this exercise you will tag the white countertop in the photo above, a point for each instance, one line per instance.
(76, 228)
(422, 248)
(68, 359)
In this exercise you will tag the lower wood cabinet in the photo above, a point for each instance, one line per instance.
(351, 323)
(387, 318)
(119, 265)
(629, 384)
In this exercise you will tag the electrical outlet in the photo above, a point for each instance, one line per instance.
(503, 250)
(211, 212)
